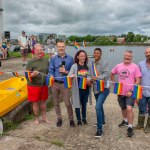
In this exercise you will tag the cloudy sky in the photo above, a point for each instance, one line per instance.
(76, 17)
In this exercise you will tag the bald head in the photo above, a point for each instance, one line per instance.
(147, 53)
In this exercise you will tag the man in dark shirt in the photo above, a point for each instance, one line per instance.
(59, 67)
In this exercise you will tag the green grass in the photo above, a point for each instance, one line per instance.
(18, 54)
(29, 116)
(14, 54)
(11, 125)
(58, 143)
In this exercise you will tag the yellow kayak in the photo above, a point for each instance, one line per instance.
(12, 92)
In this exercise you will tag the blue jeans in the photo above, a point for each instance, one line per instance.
(144, 103)
(100, 99)
(83, 94)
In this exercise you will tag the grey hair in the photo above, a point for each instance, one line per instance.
(37, 45)
(128, 51)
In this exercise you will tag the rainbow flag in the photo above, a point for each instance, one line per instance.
(67, 82)
(118, 88)
(84, 44)
(15, 74)
(94, 70)
(82, 83)
(1, 72)
(137, 92)
(77, 46)
(100, 85)
(28, 75)
(49, 81)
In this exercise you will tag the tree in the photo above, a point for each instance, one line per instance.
(137, 38)
(88, 38)
(72, 38)
(130, 37)
(103, 40)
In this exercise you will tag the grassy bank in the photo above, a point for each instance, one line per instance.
(18, 54)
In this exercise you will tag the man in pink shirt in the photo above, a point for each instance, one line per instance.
(128, 74)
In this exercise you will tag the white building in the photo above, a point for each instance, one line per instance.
(1, 21)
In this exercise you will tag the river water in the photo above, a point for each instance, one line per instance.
(112, 57)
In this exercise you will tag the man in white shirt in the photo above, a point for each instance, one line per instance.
(51, 46)
(23, 43)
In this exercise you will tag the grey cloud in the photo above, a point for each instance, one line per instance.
(77, 16)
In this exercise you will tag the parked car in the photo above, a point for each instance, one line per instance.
(17, 48)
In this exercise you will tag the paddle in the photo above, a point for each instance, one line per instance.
(1, 128)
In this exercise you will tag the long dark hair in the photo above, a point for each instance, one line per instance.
(76, 60)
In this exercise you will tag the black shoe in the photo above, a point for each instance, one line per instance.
(84, 121)
(123, 124)
(130, 132)
(79, 123)
(72, 124)
(59, 123)
(99, 134)
(95, 125)
(23, 65)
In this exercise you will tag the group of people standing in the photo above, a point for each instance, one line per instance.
(63, 65)
(26, 44)
(3, 50)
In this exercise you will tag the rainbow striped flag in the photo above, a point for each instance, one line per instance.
(15, 74)
(28, 75)
(77, 46)
(100, 85)
(94, 70)
(84, 44)
(49, 81)
(1, 72)
(137, 92)
(67, 82)
(82, 83)
(118, 88)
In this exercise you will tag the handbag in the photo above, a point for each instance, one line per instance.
(29, 49)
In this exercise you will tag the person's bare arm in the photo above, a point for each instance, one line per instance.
(112, 77)
(138, 80)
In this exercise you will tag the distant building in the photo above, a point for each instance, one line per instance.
(121, 40)
(62, 37)
(147, 41)
(1, 21)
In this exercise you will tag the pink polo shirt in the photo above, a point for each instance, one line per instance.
(127, 75)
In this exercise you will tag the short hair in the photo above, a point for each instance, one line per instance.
(38, 45)
(60, 41)
(98, 49)
(76, 60)
(128, 51)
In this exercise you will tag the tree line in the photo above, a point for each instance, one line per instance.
(130, 38)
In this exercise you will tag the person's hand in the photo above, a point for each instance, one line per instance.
(89, 82)
(129, 94)
(62, 70)
(73, 75)
(94, 78)
(34, 73)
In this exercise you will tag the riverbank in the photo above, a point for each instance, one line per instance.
(44, 136)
